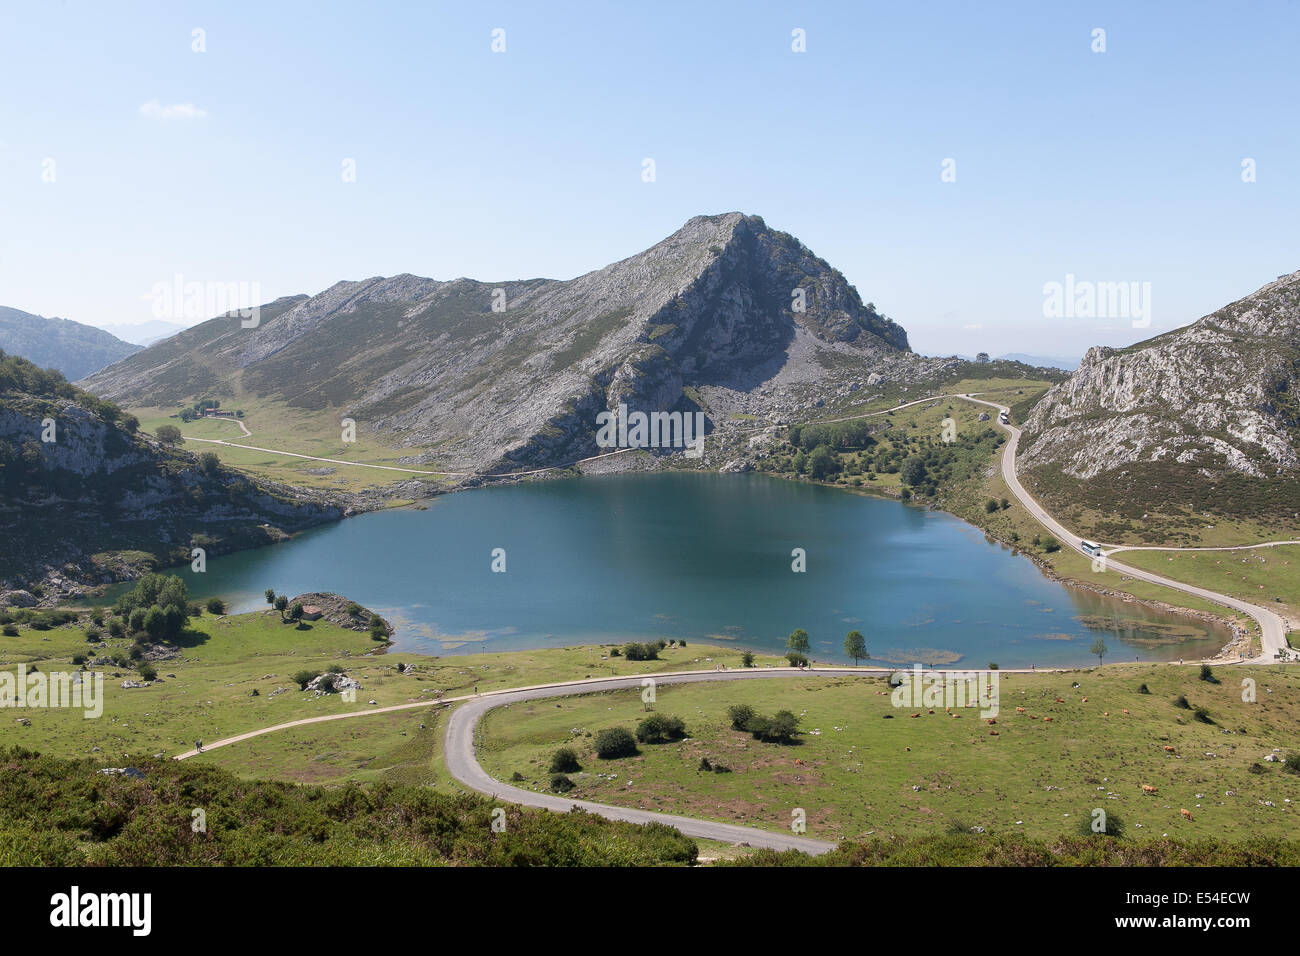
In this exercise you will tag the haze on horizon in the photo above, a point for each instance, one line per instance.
(128, 157)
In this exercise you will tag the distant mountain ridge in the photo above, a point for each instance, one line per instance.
(497, 375)
(74, 349)
(144, 334)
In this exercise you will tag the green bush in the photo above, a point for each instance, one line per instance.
(561, 784)
(303, 678)
(216, 605)
(148, 671)
(641, 652)
(565, 760)
(747, 659)
(1292, 763)
(10, 631)
(615, 742)
(740, 715)
(660, 728)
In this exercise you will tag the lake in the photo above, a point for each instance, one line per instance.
(700, 557)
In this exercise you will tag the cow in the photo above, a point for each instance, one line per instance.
(1187, 814)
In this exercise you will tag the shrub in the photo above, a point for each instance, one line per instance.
(741, 715)
(78, 659)
(115, 628)
(354, 609)
(1292, 763)
(1144, 689)
(1208, 675)
(216, 605)
(10, 631)
(615, 652)
(782, 728)
(1114, 826)
(641, 652)
(796, 659)
(561, 784)
(615, 742)
(565, 760)
(747, 659)
(1182, 702)
(148, 671)
(1203, 715)
(1050, 544)
(705, 765)
(660, 728)
(303, 678)
(990, 506)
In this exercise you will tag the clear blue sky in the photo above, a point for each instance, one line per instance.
(1118, 166)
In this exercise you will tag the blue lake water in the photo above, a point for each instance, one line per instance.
(701, 557)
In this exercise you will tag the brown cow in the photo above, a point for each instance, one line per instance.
(1187, 814)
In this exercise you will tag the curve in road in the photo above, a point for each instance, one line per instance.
(1272, 629)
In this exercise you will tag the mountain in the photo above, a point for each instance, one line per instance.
(79, 489)
(144, 333)
(1205, 418)
(74, 349)
(707, 315)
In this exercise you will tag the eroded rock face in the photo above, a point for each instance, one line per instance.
(97, 488)
(480, 376)
(1219, 396)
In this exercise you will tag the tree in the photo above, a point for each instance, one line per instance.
(741, 715)
(991, 506)
(747, 659)
(281, 602)
(855, 646)
(982, 357)
(169, 435)
(210, 463)
(216, 605)
(270, 597)
(565, 760)
(1098, 648)
(798, 641)
(660, 728)
(913, 471)
(1050, 544)
(822, 463)
(614, 742)
(295, 612)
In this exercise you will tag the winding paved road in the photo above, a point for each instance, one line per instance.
(462, 762)
(460, 751)
(1272, 629)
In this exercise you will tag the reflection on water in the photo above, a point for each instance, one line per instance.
(700, 557)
